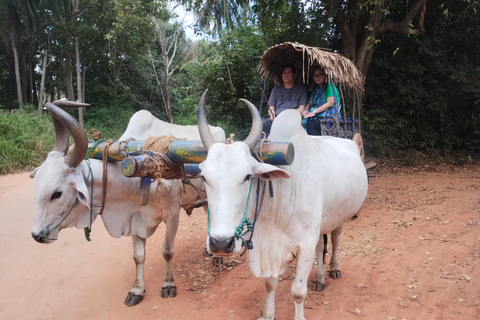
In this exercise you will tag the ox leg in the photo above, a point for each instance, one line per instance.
(268, 312)
(334, 272)
(319, 281)
(169, 290)
(299, 286)
(136, 294)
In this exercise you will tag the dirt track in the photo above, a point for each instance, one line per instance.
(414, 253)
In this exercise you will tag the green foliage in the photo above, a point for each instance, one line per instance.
(109, 111)
(422, 93)
(292, 20)
(25, 140)
(228, 68)
(216, 16)
(426, 97)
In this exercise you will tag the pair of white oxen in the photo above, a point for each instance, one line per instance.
(324, 187)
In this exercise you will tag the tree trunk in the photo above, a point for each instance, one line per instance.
(359, 38)
(69, 76)
(42, 82)
(79, 82)
(17, 72)
(33, 87)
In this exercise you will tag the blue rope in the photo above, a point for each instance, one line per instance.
(246, 222)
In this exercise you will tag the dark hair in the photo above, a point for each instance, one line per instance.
(289, 66)
(318, 67)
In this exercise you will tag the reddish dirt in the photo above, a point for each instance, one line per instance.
(414, 253)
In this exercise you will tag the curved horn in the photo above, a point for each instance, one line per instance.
(61, 133)
(63, 122)
(70, 104)
(257, 126)
(203, 129)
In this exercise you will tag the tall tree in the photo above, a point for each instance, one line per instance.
(426, 96)
(167, 41)
(362, 22)
(214, 16)
(17, 24)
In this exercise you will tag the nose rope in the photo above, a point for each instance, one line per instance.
(246, 222)
(44, 235)
(87, 230)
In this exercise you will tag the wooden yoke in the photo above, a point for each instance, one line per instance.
(190, 151)
(145, 164)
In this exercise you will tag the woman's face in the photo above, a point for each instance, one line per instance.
(319, 76)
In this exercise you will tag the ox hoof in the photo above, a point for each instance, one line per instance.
(335, 274)
(169, 292)
(133, 299)
(318, 286)
(206, 253)
(217, 261)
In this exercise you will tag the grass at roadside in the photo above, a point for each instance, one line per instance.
(26, 138)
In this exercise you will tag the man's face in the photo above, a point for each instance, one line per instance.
(287, 75)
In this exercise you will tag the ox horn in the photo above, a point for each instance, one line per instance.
(203, 129)
(70, 104)
(252, 140)
(64, 123)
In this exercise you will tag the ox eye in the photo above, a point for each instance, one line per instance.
(248, 177)
(56, 195)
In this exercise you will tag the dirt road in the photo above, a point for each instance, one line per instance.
(413, 254)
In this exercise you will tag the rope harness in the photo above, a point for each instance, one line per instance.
(87, 230)
(156, 148)
(44, 235)
(246, 222)
(240, 231)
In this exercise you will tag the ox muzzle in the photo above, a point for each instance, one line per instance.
(40, 238)
(222, 247)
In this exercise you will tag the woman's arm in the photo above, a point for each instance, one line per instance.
(305, 110)
(325, 106)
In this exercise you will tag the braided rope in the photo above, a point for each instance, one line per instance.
(334, 127)
(105, 174)
(96, 134)
(259, 154)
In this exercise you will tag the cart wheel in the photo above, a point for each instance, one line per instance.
(357, 138)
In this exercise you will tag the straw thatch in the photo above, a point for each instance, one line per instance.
(305, 59)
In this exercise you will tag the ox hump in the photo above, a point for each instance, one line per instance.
(286, 125)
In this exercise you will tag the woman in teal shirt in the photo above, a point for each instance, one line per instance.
(322, 103)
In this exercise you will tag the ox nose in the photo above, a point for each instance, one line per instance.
(222, 246)
(37, 237)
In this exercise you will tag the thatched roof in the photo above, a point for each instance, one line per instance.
(305, 59)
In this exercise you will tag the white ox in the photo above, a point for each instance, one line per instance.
(64, 198)
(324, 187)
(143, 125)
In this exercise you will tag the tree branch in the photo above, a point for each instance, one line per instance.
(403, 27)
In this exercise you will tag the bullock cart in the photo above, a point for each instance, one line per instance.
(340, 71)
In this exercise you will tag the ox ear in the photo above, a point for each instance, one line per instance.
(268, 172)
(34, 172)
(82, 191)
